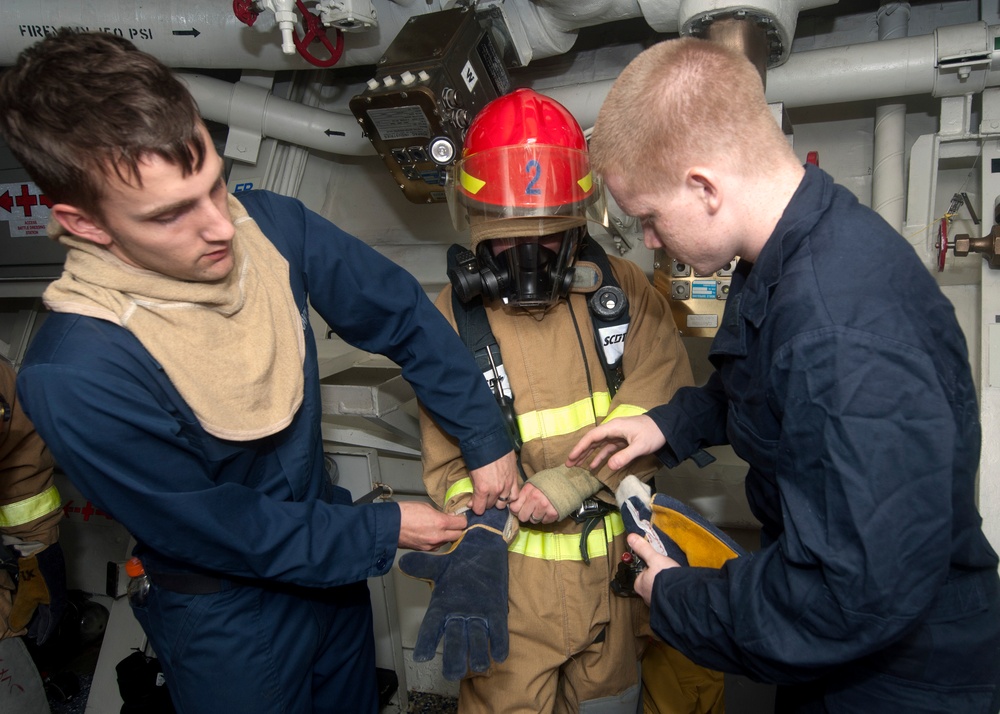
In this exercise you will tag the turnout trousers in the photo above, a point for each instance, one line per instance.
(573, 644)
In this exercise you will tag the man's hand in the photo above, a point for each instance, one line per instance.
(423, 527)
(495, 484)
(533, 506)
(631, 437)
(654, 564)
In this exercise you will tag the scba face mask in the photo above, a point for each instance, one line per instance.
(522, 272)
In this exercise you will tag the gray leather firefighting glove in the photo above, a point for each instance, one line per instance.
(468, 607)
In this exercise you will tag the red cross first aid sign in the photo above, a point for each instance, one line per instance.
(24, 208)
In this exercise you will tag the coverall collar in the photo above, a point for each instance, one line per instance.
(752, 282)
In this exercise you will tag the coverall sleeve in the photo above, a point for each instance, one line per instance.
(376, 305)
(863, 463)
(192, 500)
(695, 418)
(443, 464)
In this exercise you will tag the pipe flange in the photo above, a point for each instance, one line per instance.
(777, 49)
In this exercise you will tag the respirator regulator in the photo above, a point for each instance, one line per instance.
(523, 272)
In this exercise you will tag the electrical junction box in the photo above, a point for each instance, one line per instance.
(697, 301)
(433, 79)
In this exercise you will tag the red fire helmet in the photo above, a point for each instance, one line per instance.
(524, 156)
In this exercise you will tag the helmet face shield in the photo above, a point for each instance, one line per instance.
(523, 182)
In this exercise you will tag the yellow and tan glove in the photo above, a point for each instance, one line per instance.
(40, 599)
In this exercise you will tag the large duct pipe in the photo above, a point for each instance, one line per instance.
(875, 70)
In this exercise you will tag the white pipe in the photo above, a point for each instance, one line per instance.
(255, 109)
(896, 67)
(192, 33)
(890, 131)
(875, 70)
(878, 70)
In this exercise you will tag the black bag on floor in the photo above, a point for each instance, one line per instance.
(142, 687)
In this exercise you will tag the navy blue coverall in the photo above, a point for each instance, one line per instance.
(289, 628)
(842, 378)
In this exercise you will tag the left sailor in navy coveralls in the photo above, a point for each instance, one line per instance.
(176, 383)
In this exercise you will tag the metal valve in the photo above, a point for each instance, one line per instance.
(988, 245)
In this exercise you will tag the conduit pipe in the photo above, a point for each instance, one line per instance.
(889, 145)
(255, 112)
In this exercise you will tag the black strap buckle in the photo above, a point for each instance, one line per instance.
(592, 508)
(590, 514)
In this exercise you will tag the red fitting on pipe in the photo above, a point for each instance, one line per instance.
(316, 31)
(245, 11)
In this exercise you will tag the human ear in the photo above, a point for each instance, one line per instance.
(80, 223)
(705, 185)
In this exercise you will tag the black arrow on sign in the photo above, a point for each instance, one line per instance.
(331, 132)
(193, 32)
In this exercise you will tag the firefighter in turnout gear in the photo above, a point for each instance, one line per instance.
(32, 568)
(30, 511)
(567, 347)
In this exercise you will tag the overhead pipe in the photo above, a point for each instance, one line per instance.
(196, 34)
(888, 167)
(869, 71)
(192, 33)
(255, 111)
(896, 67)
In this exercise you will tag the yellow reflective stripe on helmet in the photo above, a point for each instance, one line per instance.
(586, 183)
(566, 546)
(470, 183)
(563, 420)
(459, 487)
(624, 410)
(21, 512)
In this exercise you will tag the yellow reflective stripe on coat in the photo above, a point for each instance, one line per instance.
(625, 410)
(563, 420)
(21, 512)
(566, 546)
(463, 485)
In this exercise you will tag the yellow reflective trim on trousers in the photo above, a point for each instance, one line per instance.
(563, 420)
(461, 486)
(625, 410)
(566, 546)
(21, 512)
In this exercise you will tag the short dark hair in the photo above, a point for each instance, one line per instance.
(78, 108)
